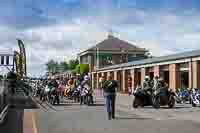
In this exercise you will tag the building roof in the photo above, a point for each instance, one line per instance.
(184, 55)
(115, 44)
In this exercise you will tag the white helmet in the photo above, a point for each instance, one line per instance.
(147, 77)
(86, 77)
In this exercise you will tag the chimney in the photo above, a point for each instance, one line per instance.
(110, 34)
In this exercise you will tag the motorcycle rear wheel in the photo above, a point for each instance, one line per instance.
(193, 104)
(171, 102)
(136, 103)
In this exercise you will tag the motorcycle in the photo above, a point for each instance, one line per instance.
(75, 95)
(83, 95)
(163, 97)
(182, 96)
(142, 98)
(54, 96)
(44, 94)
(195, 97)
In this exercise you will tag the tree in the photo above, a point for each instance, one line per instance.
(73, 64)
(63, 66)
(82, 69)
(52, 66)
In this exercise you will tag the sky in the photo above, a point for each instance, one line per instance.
(59, 29)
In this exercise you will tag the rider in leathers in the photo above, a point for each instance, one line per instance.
(147, 88)
(146, 84)
(156, 85)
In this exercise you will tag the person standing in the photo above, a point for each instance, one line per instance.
(61, 89)
(109, 87)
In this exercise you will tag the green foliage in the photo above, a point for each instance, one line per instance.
(52, 66)
(82, 69)
(73, 64)
(64, 66)
(55, 67)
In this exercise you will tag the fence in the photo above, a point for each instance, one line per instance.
(4, 98)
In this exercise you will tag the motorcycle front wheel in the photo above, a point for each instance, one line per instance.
(156, 102)
(136, 102)
(171, 102)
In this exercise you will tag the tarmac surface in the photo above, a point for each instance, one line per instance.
(70, 117)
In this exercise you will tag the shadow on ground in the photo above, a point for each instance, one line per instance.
(132, 118)
(165, 107)
(65, 104)
(23, 103)
(97, 105)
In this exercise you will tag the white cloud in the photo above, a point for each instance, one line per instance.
(160, 32)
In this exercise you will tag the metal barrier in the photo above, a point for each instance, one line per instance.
(4, 98)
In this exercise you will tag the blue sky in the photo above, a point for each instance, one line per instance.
(59, 29)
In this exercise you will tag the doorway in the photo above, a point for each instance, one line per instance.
(151, 75)
(119, 79)
(166, 77)
(139, 78)
(184, 76)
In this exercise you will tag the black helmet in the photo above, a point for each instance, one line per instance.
(11, 75)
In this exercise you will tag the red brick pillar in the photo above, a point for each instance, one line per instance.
(194, 74)
(102, 74)
(143, 73)
(174, 76)
(123, 81)
(156, 71)
(93, 78)
(108, 75)
(98, 80)
(115, 75)
(133, 78)
(191, 75)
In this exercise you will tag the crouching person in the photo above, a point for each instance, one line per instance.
(109, 87)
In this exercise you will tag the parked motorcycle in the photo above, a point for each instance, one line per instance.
(54, 97)
(44, 94)
(142, 98)
(162, 97)
(183, 96)
(195, 97)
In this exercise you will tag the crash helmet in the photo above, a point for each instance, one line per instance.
(156, 77)
(86, 77)
(146, 78)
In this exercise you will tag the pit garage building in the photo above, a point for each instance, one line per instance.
(178, 71)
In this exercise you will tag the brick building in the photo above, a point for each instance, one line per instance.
(178, 70)
(111, 51)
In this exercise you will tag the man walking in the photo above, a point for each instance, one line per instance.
(109, 87)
